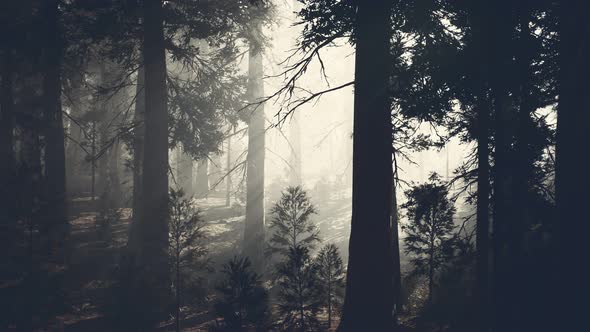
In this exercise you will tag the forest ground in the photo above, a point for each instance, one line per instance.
(93, 261)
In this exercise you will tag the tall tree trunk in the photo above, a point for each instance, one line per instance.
(74, 156)
(397, 272)
(573, 116)
(504, 318)
(57, 225)
(153, 226)
(202, 178)
(138, 138)
(368, 304)
(7, 166)
(523, 282)
(482, 241)
(295, 178)
(185, 173)
(254, 228)
(227, 173)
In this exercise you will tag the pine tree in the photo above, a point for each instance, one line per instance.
(298, 298)
(291, 223)
(331, 276)
(186, 248)
(244, 300)
(429, 241)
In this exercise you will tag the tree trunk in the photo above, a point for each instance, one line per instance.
(185, 174)
(6, 138)
(397, 273)
(177, 318)
(500, 71)
(138, 147)
(202, 179)
(573, 116)
(57, 225)
(228, 174)
(153, 226)
(254, 228)
(482, 241)
(295, 178)
(368, 304)
(74, 153)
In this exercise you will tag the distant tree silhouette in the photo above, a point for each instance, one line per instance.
(331, 276)
(429, 240)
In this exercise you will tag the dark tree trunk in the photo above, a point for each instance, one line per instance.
(254, 228)
(571, 180)
(74, 153)
(482, 227)
(56, 225)
(368, 304)
(522, 281)
(153, 226)
(482, 241)
(138, 138)
(500, 71)
(397, 273)
(6, 137)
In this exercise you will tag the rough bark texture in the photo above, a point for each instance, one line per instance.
(368, 305)
(254, 228)
(56, 226)
(153, 226)
(571, 178)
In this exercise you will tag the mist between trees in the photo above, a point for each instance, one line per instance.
(282, 165)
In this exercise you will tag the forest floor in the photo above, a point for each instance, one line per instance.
(94, 260)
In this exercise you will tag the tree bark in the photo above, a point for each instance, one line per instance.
(6, 139)
(254, 228)
(500, 71)
(482, 241)
(573, 116)
(138, 146)
(153, 226)
(368, 304)
(397, 273)
(56, 225)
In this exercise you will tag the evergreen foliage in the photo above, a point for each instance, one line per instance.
(299, 297)
(291, 223)
(187, 251)
(429, 241)
(244, 301)
(331, 279)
